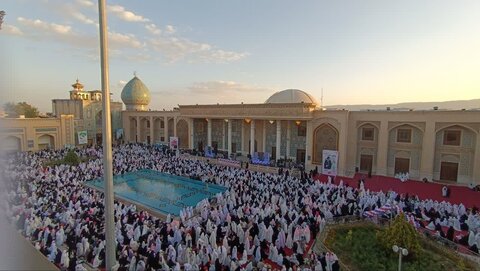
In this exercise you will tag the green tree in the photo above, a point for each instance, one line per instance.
(10, 109)
(402, 234)
(22, 108)
(72, 158)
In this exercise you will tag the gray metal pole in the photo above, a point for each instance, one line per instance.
(94, 140)
(400, 260)
(107, 142)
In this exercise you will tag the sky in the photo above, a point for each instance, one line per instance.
(212, 51)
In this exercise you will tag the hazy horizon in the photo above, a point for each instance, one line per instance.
(427, 105)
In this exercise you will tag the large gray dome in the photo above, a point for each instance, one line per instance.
(291, 96)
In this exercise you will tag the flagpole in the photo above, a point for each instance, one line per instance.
(107, 142)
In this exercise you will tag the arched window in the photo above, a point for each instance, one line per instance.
(182, 133)
(325, 137)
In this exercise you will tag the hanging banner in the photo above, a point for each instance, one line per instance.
(330, 162)
(173, 142)
(82, 137)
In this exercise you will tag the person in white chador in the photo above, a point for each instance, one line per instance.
(260, 217)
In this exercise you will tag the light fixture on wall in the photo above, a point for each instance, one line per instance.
(248, 120)
(206, 120)
(298, 122)
(226, 120)
(271, 121)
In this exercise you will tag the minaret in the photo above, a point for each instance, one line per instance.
(77, 87)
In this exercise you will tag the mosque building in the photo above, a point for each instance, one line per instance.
(86, 107)
(292, 126)
(81, 113)
(34, 134)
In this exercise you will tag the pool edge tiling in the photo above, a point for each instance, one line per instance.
(163, 193)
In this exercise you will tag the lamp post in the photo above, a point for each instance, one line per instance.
(110, 255)
(401, 252)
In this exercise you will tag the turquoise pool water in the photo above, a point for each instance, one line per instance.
(162, 192)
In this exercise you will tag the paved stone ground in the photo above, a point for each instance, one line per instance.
(17, 253)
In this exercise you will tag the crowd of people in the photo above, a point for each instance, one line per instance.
(263, 221)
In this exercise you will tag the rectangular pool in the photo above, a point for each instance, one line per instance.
(161, 192)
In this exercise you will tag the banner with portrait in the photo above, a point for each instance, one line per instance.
(82, 137)
(330, 162)
(173, 142)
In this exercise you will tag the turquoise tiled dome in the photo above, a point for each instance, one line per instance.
(135, 95)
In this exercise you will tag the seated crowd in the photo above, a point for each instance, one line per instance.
(262, 221)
